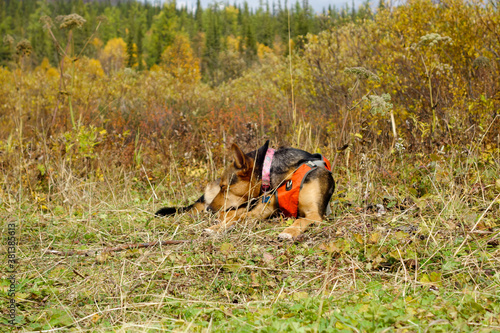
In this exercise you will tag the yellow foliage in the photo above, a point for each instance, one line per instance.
(262, 50)
(47, 69)
(231, 17)
(6, 80)
(233, 43)
(90, 66)
(114, 55)
(231, 12)
(278, 47)
(155, 68)
(179, 61)
(96, 42)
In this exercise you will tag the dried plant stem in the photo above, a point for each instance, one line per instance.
(70, 102)
(89, 39)
(124, 247)
(429, 76)
(394, 131)
(294, 110)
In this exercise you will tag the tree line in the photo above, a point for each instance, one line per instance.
(220, 34)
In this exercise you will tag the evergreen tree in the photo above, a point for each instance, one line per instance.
(301, 20)
(198, 16)
(283, 22)
(130, 48)
(139, 38)
(163, 32)
(264, 26)
(212, 43)
(154, 24)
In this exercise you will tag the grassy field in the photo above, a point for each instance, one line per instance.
(411, 246)
(405, 104)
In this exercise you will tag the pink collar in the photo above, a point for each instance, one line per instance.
(266, 170)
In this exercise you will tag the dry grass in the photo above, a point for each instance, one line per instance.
(414, 262)
(411, 246)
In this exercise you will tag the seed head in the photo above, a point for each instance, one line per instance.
(361, 73)
(481, 62)
(379, 104)
(102, 18)
(47, 21)
(71, 21)
(431, 40)
(8, 40)
(23, 48)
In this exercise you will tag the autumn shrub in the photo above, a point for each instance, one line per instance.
(435, 61)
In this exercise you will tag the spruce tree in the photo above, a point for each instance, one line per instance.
(250, 45)
(198, 16)
(139, 38)
(130, 49)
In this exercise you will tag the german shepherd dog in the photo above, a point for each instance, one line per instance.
(240, 193)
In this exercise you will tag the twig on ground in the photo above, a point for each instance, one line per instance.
(124, 247)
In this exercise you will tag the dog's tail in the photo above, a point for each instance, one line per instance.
(197, 207)
(200, 205)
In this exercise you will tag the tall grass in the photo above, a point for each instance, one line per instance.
(412, 243)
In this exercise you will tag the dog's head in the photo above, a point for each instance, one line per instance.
(241, 181)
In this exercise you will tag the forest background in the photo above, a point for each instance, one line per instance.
(109, 111)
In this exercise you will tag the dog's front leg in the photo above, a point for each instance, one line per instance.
(311, 208)
(261, 210)
(229, 218)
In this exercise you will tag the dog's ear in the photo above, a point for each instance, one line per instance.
(261, 155)
(240, 159)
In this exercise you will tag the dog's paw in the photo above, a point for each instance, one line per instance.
(290, 233)
(284, 236)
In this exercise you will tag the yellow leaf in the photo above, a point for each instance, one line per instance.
(299, 295)
(374, 238)
(226, 248)
(330, 247)
(425, 279)
(358, 238)
(435, 277)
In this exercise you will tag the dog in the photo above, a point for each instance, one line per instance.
(263, 182)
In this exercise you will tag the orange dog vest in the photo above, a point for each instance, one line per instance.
(287, 194)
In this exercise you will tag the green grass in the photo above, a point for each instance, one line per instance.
(429, 263)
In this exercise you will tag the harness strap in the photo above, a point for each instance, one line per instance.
(266, 170)
(287, 195)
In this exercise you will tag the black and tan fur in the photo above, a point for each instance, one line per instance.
(199, 206)
(238, 192)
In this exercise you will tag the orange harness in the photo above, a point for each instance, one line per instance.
(287, 195)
